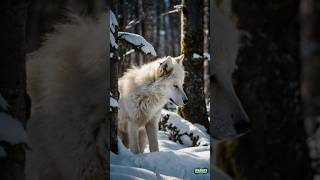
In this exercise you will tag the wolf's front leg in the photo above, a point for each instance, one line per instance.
(152, 132)
(133, 133)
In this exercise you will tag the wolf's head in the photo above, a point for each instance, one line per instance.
(172, 72)
(229, 118)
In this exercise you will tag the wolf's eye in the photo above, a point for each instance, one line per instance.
(176, 86)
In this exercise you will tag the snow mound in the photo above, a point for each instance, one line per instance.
(170, 164)
(173, 161)
(138, 41)
(182, 130)
(135, 173)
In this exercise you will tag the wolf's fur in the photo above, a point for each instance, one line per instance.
(143, 93)
(229, 118)
(66, 81)
(225, 106)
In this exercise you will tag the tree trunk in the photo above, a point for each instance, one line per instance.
(115, 94)
(310, 53)
(268, 84)
(158, 26)
(192, 43)
(13, 82)
(147, 23)
(140, 31)
(166, 29)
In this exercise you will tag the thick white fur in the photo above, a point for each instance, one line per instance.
(143, 93)
(66, 81)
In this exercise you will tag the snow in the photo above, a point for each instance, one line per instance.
(11, 130)
(113, 41)
(201, 127)
(132, 23)
(3, 103)
(129, 52)
(120, 172)
(138, 41)
(173, 161)
(169, 164)
(162, 32)
(113, 102)
(3, 153)
(196, 56)
(113, 22)
(206, 56)
(185, 127)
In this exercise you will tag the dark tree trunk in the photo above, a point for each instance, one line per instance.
(158, 27)
(166, 29)
(206, 40)
(114, 64)
(140, 31)
(192, 42)
(13, 81)
(268, 84)
(147, 23)
(310, 53)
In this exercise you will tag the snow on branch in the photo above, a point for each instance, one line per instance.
(113, 41)
(3, 103)
(129, 52)
(138, 42)
(11, 130)
(205, 56)
(113, 102)
(113, 22)
(113, 26)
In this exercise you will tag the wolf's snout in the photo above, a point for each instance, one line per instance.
(185, 101)
(242, 126)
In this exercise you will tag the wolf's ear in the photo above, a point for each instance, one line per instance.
(179, 59)
(166, 67)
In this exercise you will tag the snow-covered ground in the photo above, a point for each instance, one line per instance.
(175, 160)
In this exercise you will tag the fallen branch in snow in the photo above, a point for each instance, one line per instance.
(181, 130)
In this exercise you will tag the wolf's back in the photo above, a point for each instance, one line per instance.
(66, 82)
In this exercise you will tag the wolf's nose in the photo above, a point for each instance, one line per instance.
(242, 126)
(185, 101)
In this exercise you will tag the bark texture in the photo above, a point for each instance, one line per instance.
(192, 43)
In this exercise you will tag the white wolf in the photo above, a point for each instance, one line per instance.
(229, 117)
(143, 93)
(66, 81)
